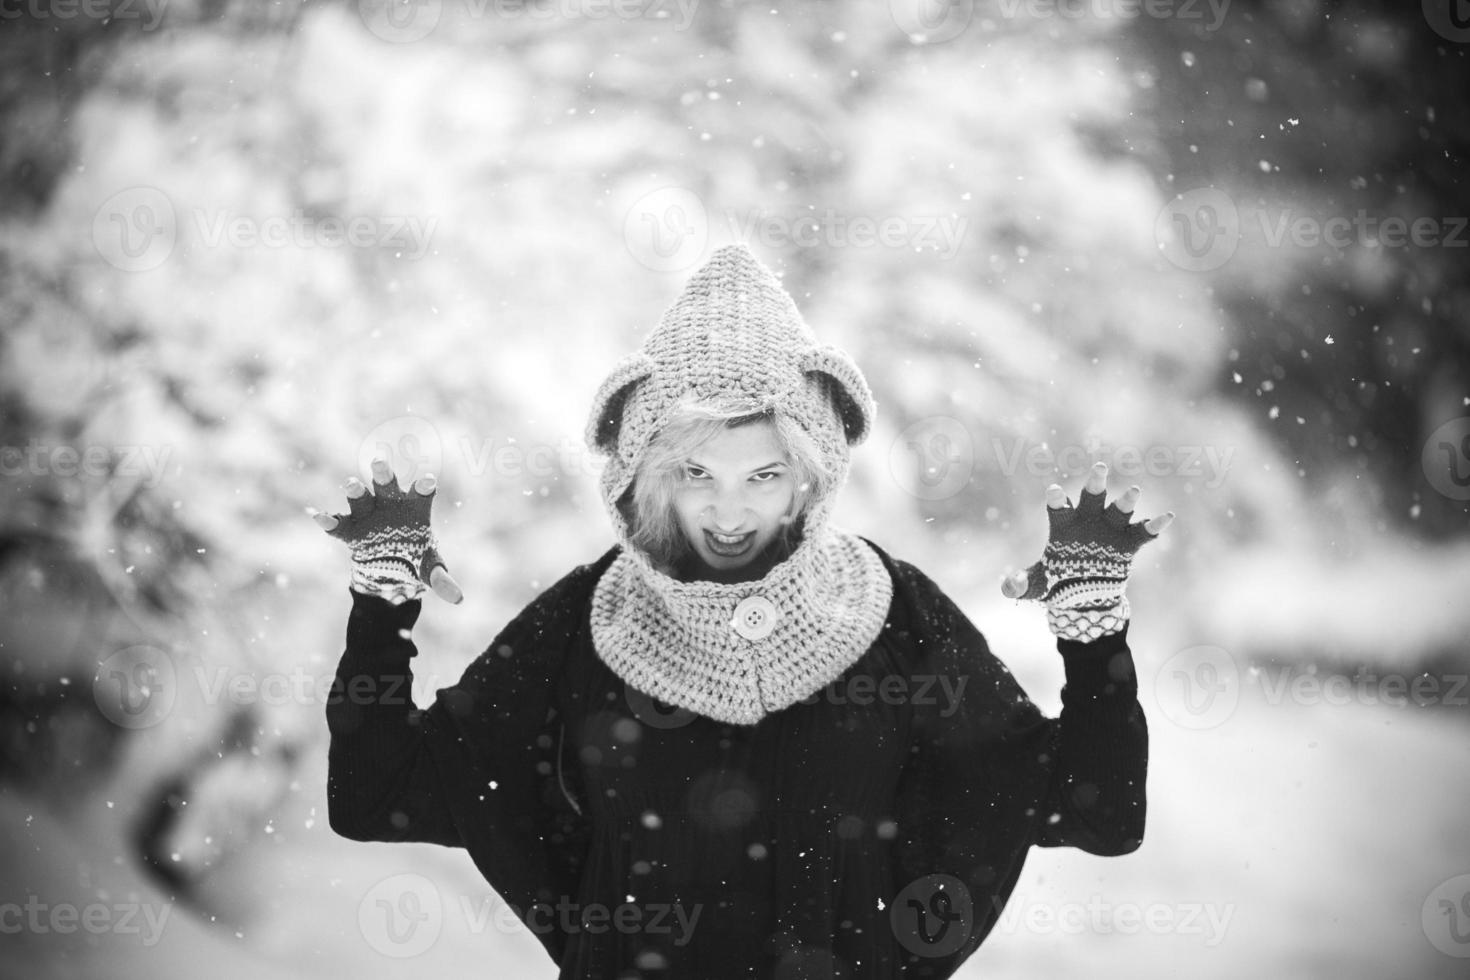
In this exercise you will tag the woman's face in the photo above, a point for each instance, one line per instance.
(735, 499)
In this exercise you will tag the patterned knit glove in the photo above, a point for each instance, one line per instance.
(1085, 566)
(394, 553)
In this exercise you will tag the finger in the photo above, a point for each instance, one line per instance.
(1120, 510)
(1090, 501)
(1013, 586)
(1157, 524)
(432, 560)
(324, 521)
(1027, 584)
(1097, 478)
(1059, 512)
(426, 485)
(444, 585)
(384, 482)
(359, 501)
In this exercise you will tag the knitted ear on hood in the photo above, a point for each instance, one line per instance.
(734, 338)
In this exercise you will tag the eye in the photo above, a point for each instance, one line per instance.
(766, 476)
(692, 472)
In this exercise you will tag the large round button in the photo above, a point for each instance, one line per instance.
(755, 617)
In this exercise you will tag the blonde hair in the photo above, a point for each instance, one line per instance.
(648, 505)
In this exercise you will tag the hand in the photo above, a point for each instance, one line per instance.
(1088, 556)
(393, 548)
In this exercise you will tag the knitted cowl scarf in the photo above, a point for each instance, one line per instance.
(735, 652)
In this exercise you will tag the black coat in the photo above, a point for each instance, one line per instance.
(872, 831)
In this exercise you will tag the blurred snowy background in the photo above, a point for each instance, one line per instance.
(1220, 245)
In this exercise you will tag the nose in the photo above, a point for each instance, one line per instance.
(727, 513)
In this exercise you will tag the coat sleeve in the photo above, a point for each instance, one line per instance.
(381, 780)
(989, 775)
(482, 766)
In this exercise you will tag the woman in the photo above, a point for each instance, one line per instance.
(742, 743)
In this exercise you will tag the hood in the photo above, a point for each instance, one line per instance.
(733, 337)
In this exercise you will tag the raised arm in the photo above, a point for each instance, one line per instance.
(1096, 800)
(382, 782)
(991, 766)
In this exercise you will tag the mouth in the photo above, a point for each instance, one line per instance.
(729, 545)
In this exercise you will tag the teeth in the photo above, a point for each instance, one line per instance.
(727, 538)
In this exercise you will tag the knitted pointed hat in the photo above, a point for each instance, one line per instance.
(735, 339)
(736, 652)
